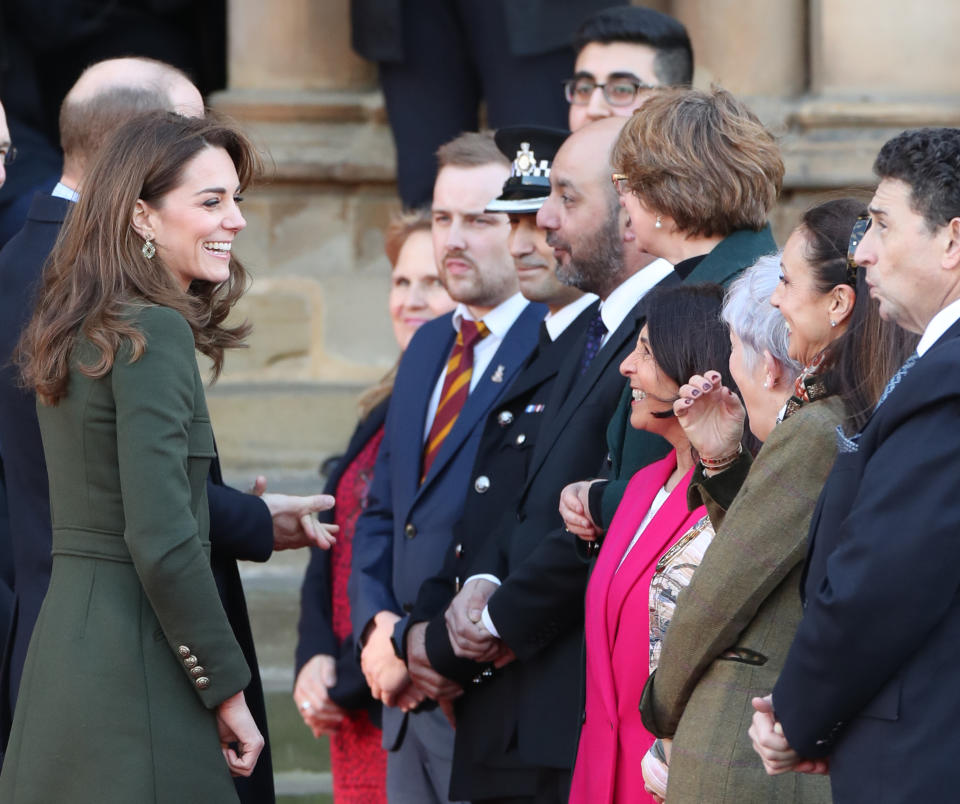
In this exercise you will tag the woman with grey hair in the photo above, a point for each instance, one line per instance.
(733, 624)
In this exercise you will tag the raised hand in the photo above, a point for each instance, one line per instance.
(294, 522)
(711, 415)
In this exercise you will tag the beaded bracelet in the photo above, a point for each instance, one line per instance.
(715, 464)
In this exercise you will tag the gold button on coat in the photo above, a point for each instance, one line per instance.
(184, 651)
(190, 661)
(410, 531)
(202, 683)
(198, 671)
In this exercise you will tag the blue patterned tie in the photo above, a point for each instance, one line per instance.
(596, 329)
(895, 379)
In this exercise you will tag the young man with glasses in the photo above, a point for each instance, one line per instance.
(622, 53)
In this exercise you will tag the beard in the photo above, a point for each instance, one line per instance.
(595, 262)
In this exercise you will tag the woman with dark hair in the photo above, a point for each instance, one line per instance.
(330, 691)
(653, 544)
(133, 683)
(734, 623)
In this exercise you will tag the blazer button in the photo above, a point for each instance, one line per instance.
(505, 418)
(190, 662)
(482, 484)
(458, 550)
(184, 651)
(197, 671)
(410, 531)
(202, 683)
(520, 439)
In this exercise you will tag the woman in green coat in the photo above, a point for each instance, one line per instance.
(132, 688)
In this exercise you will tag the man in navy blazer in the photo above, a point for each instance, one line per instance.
(869, 688)
(404, 532)
(242, 526)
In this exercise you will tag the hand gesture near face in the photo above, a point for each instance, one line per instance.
(711, 415)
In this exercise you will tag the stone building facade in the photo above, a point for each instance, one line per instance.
(833, 78)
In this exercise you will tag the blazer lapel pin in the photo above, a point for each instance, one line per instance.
(498, 374)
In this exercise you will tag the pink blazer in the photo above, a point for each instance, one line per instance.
(617, 623)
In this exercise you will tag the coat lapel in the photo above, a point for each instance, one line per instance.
(500, 373)
(570, 390)
(632, 509)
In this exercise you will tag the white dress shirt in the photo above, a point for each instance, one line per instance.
(498, 321)
(939, 324)
(61, 190)
(617, 306)
(556, 323)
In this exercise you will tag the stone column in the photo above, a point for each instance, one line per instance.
(751, 47)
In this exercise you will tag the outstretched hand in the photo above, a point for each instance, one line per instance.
(294, 522)
(711, 415)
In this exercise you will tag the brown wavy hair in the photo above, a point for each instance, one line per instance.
(702, 158)
(97, 271)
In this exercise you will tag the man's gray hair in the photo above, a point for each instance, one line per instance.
(758, 324)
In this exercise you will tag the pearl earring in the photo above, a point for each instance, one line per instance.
(658, 224)
(833, 323)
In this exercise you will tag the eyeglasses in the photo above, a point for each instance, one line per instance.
(621, 91)
(9, 155)
(620, 183)
(859, 230)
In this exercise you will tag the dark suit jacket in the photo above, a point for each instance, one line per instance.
(240, 524)
(538, 610)
(316, 607)
(629, 449)
(510, 439)
(403, 534)
(870, 679)
(534, 26)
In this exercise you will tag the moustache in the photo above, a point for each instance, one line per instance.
(554, 241)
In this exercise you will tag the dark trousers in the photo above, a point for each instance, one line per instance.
(457, 53)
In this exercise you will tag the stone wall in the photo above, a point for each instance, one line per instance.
(833, 78)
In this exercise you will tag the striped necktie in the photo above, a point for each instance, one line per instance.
(456, 388)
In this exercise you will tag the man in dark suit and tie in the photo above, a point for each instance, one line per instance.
(242, 526)
(527, 710)
(451, 375)
(869, 686)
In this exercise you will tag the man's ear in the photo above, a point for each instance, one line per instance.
(142, 220)
(951, 254)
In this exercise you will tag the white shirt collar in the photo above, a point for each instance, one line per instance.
(618, 304)
(939, 324)
(499, 319)
(557, 322)
(62, 191)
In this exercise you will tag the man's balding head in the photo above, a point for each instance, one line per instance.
(109, 93)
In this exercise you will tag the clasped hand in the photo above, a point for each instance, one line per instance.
(771, 744)
(575, 510)
(468, 636)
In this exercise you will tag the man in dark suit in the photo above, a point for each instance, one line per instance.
(438, 59)
(869, 686)
(528, 709)
(451, 375)
(509, 439)
(242, 526)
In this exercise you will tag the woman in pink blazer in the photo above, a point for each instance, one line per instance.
(652, 538)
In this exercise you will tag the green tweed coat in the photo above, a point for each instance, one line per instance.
(132, 649)
(734, 623)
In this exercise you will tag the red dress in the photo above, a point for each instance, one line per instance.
(358, 762)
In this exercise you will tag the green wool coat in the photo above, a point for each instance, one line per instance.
(734, 623)
(630, 449)
(132, 649)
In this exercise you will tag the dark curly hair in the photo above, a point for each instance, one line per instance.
(928, 160)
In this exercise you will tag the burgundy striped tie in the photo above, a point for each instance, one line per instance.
(456, 388)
